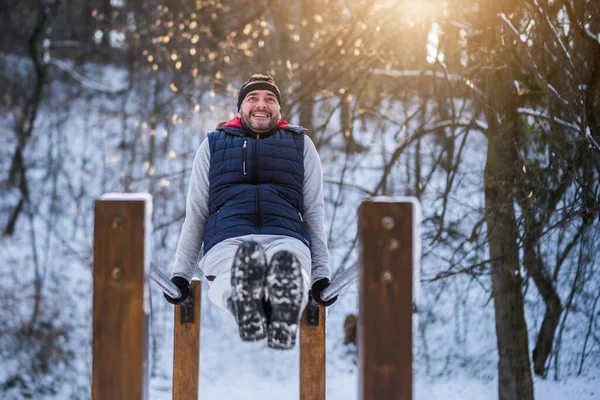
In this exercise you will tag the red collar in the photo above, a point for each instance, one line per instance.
(237, 122)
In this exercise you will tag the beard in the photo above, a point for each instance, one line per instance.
(260, 125)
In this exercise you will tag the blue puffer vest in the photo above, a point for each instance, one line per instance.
(256, 185)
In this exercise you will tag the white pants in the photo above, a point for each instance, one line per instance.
(219, 259)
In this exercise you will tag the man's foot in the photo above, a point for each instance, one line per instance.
(247, 283)
(284, 294)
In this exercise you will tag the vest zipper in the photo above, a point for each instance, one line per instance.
(244, 150)
(255, 173)
(301, 223)
(259, 209)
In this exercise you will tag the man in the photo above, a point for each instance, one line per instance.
(255, 202)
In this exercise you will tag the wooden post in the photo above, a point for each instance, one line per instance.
(385, 293)
(121, 303)
(186, 346)
(312, 356)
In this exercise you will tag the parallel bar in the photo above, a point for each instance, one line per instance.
(347, 277)
(186, 346)
(312, 357)
(164, 282)
(385, 296)
(120, 306)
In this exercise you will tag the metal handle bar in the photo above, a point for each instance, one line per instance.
(164, 282)
(347, 277)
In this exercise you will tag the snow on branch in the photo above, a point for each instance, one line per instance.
(463, 122)
(553, 90)
(541, 114)
(85, 81)
(429, 73)
(570, 125)
(555, 32)
(580, 24)
(509, 23)
(465, 27)
(591, 34)
(516, 32)
(588, 135)
(539, 76)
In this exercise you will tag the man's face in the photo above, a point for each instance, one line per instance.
(260, 111)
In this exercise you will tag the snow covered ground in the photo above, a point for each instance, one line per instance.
(344, 387)
(233, 370)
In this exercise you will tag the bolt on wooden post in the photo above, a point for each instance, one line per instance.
(120, 297)
(386, 230)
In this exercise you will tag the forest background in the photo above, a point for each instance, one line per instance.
(487, 111)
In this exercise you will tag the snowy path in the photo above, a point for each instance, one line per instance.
(344, 387)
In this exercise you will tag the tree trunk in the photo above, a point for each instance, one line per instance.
(17, 175)
(543, 283)
(307, 80)
(514, 370)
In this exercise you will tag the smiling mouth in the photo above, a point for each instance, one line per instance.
(260, 115)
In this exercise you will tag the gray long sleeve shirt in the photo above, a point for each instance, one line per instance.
(192, 233)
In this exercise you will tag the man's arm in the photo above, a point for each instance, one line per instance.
(314, 210)
(196, 212)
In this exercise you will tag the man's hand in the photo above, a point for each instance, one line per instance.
(184, 288)
(317, 289)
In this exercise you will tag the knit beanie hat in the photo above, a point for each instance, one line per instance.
(252, 85)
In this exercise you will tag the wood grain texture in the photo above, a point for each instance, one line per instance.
(119, 321)
(385, 295)
(186, 351)
(312, 358)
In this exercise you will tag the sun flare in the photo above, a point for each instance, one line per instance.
(414, 11)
